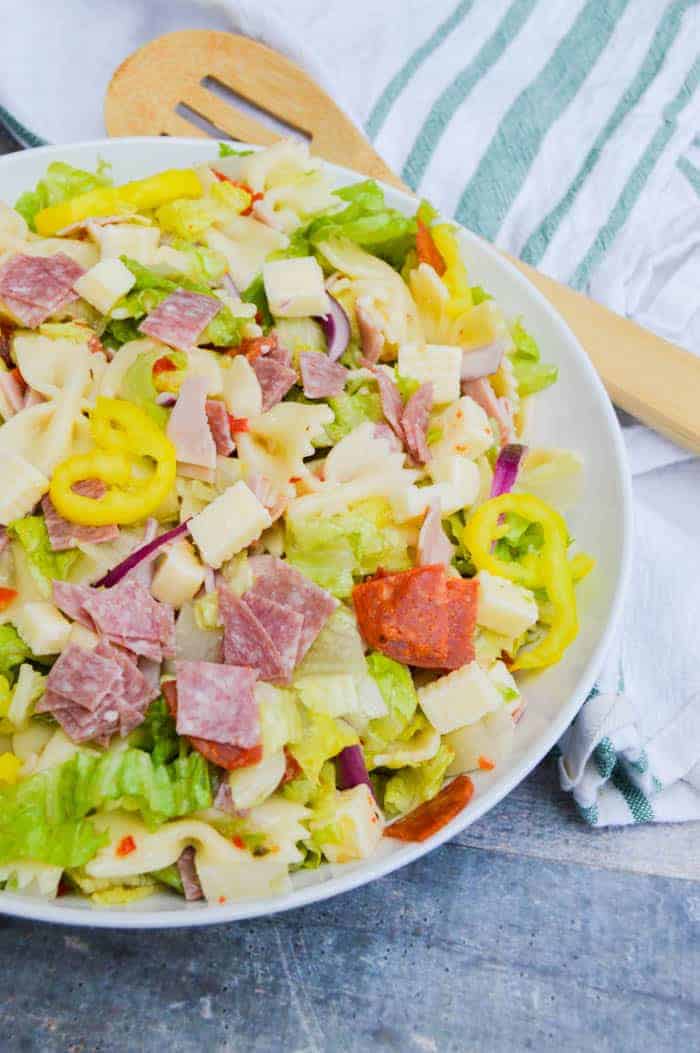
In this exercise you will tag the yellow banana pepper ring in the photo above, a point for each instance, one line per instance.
(455, 276)
(124, 435)
(548, 568)
(107, 201)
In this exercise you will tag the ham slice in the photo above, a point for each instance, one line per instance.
(217, 702)
(188, 427)
(220, 427)
(433, 544)
(497, 408)
(414, 422)
(35, 287)
(181, 318)
(63, 534)
(322, 379)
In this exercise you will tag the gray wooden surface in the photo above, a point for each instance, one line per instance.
(529, 931)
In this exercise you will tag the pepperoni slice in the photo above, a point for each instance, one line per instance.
(463, 596)
(405, 616)
(228, 757)
(431, 816)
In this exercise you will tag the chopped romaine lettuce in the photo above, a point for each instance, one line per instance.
(157, 735)
(396, 687)
(61, 183)
(44, 563)
(322, 738)
(228, 151)
(138, 385)
(531, 374)
(203, 265)
(409, 787)
(368, 221)
(13, 651)
(351, 410)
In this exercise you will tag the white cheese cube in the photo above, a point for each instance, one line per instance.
(294, 288)
(81, 636)
(251, 786)
(230, 523)
(504, 607)
(21, 486)
(203, 363)
(104, 284)
(439, 365)
(458, 482)
(501, 676)
(462, 697)
(484, 745)
(241, 388)
(127, 239)
(358, 822)
(246, 244)
(179, 576)
(465, 430)
(42, 627)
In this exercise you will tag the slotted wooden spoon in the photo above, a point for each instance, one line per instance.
(651, 378)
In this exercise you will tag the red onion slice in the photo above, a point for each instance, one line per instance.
(352, 770)
(336, 326)
(166, 398)
(507, 466)
(482, 362)
(115, 575)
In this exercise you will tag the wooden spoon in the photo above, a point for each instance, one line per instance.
(649, 377)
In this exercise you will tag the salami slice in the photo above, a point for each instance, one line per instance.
(63, 534)
(181, 318)
(220, 427)
(71, 600)
(390, 396)
(372, 339)
(129, 613)
(278, 581)
(35, 287)
(217, 702)
(414, 422)
(83, 676)
(246, 641)
(322, 379)
(283, 625)
(405, 616)
(186, 866)
(228, 757)
(275, 379)
(433, 545)
(188, 428)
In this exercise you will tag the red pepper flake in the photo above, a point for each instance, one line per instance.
(427, 249)
(238, 424)
(164, 365)
(126, 846)
(254, 195)
(221, 900)
(486, 764)
(95, 345)
(238, 841)
(6, 597)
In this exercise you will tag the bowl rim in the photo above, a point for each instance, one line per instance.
(15, 905)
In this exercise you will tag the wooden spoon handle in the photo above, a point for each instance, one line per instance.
(649, 377)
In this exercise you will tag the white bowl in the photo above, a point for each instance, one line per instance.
(575, 413)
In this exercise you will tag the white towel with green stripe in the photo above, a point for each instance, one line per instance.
(566, 131)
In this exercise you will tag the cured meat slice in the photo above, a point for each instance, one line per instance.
(128, 612)
(220, 427)
(217, 702)
(497, 408)
(370, 335)
(188, 875)
(414, 422)
(283, 625)
(181, 318)
(322, 379)
(462, 599)
(390, 396)
(188, 428)
(405, 616)
(83, 676)
(225, 756)
(431, 816)
(278, 581)
(246, 641)
(433, 545)
(63, 534)
(275, 379)
(71, 600)
(35, 287)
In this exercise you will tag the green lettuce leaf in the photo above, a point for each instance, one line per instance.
(138, 385)
(398, 691)
(13, 651)
(61, 182)
(44, 563)
(531, 374)
(228, 151)
(157, 735)
(521, 537)
(322, 738)
(351, 410)
(410, 787)
(205, 266)
(169, 876)
(334, 550)
(369, 222)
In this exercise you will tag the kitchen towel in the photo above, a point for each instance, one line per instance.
(567, 131)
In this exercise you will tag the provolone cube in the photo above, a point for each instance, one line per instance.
(460, 698)
(504, 607)
(458, 481)
(501, 676)
(356, 824)
(230, 523)
(294, 288)
(42, 627)
(21, 486)
(104, 284)
(465, 430)
(180, 575)
(127, 239)
(242, 391)
(441, 366)
(486, 744)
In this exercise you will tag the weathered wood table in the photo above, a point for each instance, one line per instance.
(529, 931)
